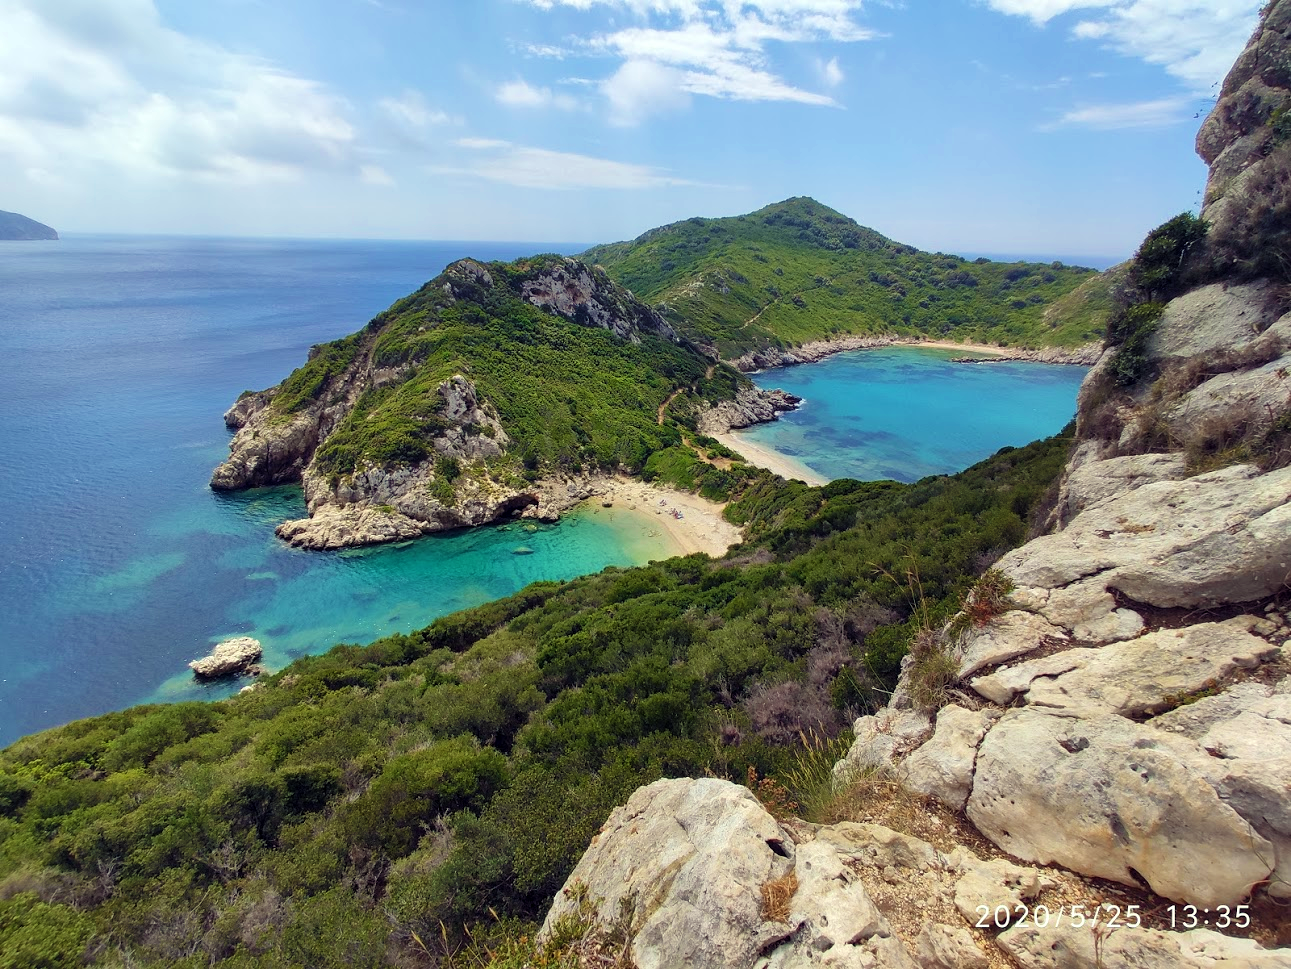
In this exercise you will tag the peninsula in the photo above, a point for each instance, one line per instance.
(501, 390)
(19, 228)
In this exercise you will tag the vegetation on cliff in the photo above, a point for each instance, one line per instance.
(570, 394)
(364, 807)
(799, 271)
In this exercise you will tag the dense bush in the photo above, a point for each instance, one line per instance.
(738, 284)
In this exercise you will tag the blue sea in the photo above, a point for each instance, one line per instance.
(119, 564)
(904, 413)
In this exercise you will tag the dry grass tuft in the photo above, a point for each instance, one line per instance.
(776, 896)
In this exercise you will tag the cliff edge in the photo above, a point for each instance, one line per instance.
(1103, 735)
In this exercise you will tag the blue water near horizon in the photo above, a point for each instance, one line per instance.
(903, 413)
(120, 565)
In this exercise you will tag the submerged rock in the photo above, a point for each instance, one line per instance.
(233, 657)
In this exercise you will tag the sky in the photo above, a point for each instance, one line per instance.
(1037, 127)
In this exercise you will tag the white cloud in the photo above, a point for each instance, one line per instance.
(830, 72)
(639, 89)
(712, 48)
(521, 94)
(481, 144)
(539, 168)
(375, 175)
(411, 108)
(1196, 41)
(1142, 114)
(105, 84)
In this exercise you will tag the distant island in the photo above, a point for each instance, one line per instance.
(19, 228)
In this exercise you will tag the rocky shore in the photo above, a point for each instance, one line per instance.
(750, 406)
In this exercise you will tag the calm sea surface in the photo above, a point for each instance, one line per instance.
(118, 564)
(905, 413)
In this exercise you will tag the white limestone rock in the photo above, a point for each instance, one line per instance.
(943, 767)
(882, 740)
(1097, 481)
(1215, 317)
(1006, 637)
(233, 657)
(1125, 947)
(948, 947)
(1135, 677)
(1208, 540)
(1110, 798)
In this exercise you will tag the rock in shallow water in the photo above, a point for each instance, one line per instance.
(232, 657)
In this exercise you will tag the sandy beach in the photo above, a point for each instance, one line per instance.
(966, 347)
(764, 457)
(701, 529)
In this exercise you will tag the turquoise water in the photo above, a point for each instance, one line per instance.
(120, 565)
(905, 413)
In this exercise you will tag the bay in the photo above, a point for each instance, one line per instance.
(903, 413)
(119, 564)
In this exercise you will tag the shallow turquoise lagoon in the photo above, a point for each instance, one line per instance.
(907, 412)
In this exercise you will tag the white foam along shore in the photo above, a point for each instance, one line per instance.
(700, 529)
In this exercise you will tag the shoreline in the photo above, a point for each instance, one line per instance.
(702, 529)
(761, 456)
(816, 350)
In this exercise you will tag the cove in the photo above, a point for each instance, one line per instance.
(120, 565)
(904, 413)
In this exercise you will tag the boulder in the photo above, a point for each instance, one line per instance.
(1135, 677)
(882, 740)
(689, 857)
(233, 657)
(1065, 946)
(943, 767)
(1114, 799)
(750, 406)
(948, 947)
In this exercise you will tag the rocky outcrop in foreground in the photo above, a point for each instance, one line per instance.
(233, 657)
(708, 878)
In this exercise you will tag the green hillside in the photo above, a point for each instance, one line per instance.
(365, 807)
(798, 271)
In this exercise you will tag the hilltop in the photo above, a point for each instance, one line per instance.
(19, 228)
(797, 271)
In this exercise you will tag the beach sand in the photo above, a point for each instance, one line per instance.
(966, 347)
(762, 456)
(702, 529)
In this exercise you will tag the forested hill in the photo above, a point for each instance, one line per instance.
(19, 228)
(798, 271)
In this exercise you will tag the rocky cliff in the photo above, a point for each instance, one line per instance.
(495, 390)
(1107, 726)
